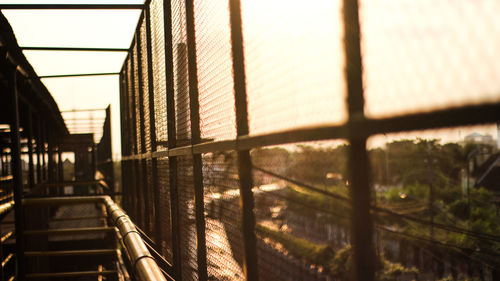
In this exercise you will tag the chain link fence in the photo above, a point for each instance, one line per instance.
(248, 133)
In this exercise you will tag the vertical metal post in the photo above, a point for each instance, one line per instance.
(126, 143)
(60, 168)
(39, 153)
(2, 271)
(50, 153)
(16, 172)
(145, 187)
(124, 139)
(136, 202)
(31, 168)
(194, 106)
(152, 130)
(362, 228)
(244, 160)
(44, 152)
(172, 139)
(3, 163)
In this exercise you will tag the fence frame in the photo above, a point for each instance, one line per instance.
(356, 130)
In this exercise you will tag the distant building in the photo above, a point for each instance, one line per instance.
(480, 139)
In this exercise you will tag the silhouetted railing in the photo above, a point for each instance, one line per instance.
(206, 88)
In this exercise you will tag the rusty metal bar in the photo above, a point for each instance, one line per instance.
(250, 266)
(172, 139)
(194, 110)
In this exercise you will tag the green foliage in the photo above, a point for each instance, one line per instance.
(312, 164)
(342, 265)
(301, 198)
(339, 264)
(311, 253)
(419, 161)
(391, 271)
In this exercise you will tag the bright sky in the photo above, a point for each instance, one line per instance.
(418, 55)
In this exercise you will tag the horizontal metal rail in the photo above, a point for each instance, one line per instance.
(55, 201)
(7, 260)
(74, 49)
(142, 261)
(5, 178)
(463, 116)
(78, 218)
(71, 7)
(68, 183)
(70, 274)
(6, 236)
(69, 231)
(6, 207)
(70, 253)
(79, 75)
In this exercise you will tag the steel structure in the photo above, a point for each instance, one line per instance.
(160, 91)
(192, 191)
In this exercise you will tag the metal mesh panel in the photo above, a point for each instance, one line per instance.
(141, 194)
(158, 49)
(431, 188)
(130, 101)
(181, 87)
(290, 64)
(223, 231)
(164, 209)
(297, 214)
(150, 193)
(419, 56)
(186, 218)
(145, 86)
(295, 69)
(215, 81)
(135, 74)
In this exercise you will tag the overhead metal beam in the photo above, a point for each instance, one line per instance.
(74, 49)
(83, 110)
(71, 7)
(79, 75)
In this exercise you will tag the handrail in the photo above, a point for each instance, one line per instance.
(5, 178)
(141, 259)
(4, 208)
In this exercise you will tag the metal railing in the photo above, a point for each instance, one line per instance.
(163, 148)
(143, 264)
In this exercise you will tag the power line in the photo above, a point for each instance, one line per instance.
(471, 233)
